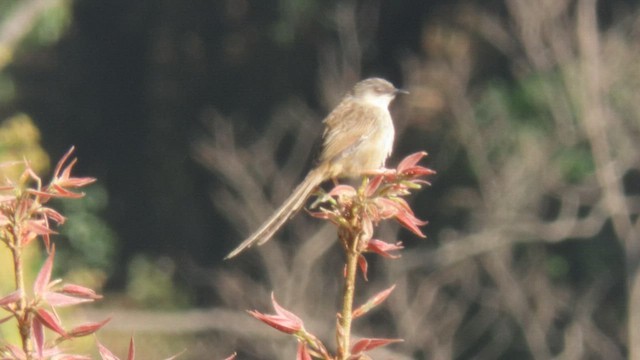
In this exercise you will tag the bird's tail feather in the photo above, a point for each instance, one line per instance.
(290, 207)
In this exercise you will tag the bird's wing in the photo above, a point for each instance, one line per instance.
(346, 127)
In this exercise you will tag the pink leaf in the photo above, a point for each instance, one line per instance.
(283, 320)
(64, 193)
(80, 291)
(44, 276)
(44, 195)
(410, 161)
(368, 344)
(11, 298)
(343, 190)
(373, 185)
(39, 227)
(284, 312)
(417, 171)
(62, 178)
(386, 208)
(403, 214)
(60, 300)
(303, 352)
(53, 215)
(50, 321)
(61, 162)
(411, 222)
(132, 350)
(372, 302)
(88, 328)
(383, 248)
(232, 357)
(364, 266)
(38, 335)
(105, 353)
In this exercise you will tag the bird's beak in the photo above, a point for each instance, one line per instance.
(402, 91)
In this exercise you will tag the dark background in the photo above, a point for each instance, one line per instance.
(131, 83)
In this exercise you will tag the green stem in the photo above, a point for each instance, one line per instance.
(22, 315)
(14, 243)
(344, 331)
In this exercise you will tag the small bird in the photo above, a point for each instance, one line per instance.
(358, 138)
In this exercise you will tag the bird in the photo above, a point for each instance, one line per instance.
(358, 138)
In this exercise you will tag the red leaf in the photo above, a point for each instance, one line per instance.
(80, 291)
(11, 298)
(51, 322)
(77, 182)
(55, 299)
(64, 193)
(364, 266)
(39, 227)
(38, 335)
(398, 208)
(386, 208)
(417, 171)
(284, 320)
(373, 185)
(368, 344)
(105, 354)
(372, 302)
(383, 248)
(343, 190)
(45, 196)
(410, 222)
(406, 217)
(132, 350)
(303, 352)
(61, 162)
(88, 328)
(44, 275)
(284, 312)
(53, 215)
(410, 161)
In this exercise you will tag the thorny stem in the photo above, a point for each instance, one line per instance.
(344, 329)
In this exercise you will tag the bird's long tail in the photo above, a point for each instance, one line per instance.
(290, 207)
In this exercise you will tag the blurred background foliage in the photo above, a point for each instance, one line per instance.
(198, 117)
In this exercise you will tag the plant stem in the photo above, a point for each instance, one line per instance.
(22, 315)
(344, 331)
(15, 243)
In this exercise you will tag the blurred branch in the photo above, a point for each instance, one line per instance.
(597, 118)
(564, 101)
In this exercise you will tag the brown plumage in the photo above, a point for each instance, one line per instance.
(358, 138)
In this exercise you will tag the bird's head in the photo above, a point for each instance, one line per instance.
(376, 91)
